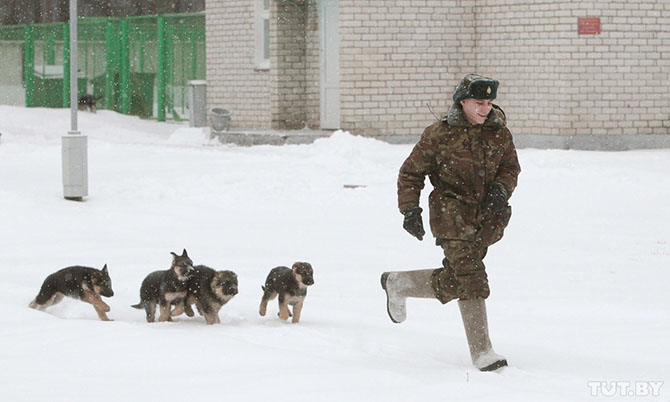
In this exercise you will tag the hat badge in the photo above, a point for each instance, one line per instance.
(488, 90)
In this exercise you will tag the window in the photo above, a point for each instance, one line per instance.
(263, 34)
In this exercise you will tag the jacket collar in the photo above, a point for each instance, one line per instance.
(456, 118)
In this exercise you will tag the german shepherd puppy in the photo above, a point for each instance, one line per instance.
(83, 283)
(209, 290)
(165, 288)
(291, 286)
(88, 101)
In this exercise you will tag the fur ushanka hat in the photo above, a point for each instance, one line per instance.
(476, 86)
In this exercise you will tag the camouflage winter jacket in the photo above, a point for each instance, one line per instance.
(462, 162)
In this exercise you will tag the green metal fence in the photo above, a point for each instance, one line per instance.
(136, 65)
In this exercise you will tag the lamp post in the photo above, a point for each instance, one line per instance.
(75, 152)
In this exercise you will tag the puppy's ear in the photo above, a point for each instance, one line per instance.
(174, 256)
(104, 269)
(297, 265)
(183, 254)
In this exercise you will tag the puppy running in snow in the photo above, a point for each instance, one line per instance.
(209, 290)
(165, 288)
(291, 286)
(83, 283)
(88, 101)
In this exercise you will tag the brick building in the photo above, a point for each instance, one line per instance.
(587, 74)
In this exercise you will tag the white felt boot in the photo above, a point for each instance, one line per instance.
(403, 284)
(476, 326)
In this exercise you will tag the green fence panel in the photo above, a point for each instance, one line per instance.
(50, 70)
(142, 64)
(185, 59)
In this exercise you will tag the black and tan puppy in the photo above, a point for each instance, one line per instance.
(88, 101)
(83, 283)
(165, 288)
(291, 286)
(209, 290)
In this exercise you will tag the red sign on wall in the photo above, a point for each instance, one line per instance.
(588, 26)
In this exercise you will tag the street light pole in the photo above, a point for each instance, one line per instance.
(74, 66)
(75, 152)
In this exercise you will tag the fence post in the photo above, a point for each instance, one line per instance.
(194, 58)
(161, 69)
(66, 65)
(51, 50)
(125, 68)
(29, 65)
(170, 68)
(110, 37)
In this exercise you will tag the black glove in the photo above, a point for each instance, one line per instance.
(413, 222)
(496, 198)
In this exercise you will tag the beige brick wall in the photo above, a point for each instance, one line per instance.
(233, 82)
(396, 56)
(555, 81)
(287, 58)
(284, 97)
(294, 49)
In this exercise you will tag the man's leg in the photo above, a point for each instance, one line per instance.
(469, 272)
(473, 313)
(444, 283)
(400, 285)
(438, 283)
(466, 258)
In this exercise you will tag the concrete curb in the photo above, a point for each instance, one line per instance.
(248, 137)
(270, 137)
(593, 142)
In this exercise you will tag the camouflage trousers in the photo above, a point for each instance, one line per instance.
(463, 275)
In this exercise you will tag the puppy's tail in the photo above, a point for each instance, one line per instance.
(138, 306)
(263, 287)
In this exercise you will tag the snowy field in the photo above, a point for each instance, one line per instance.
(579, 301)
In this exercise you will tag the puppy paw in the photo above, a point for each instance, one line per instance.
(282, 316)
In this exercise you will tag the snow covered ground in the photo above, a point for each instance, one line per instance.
(579, 283)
